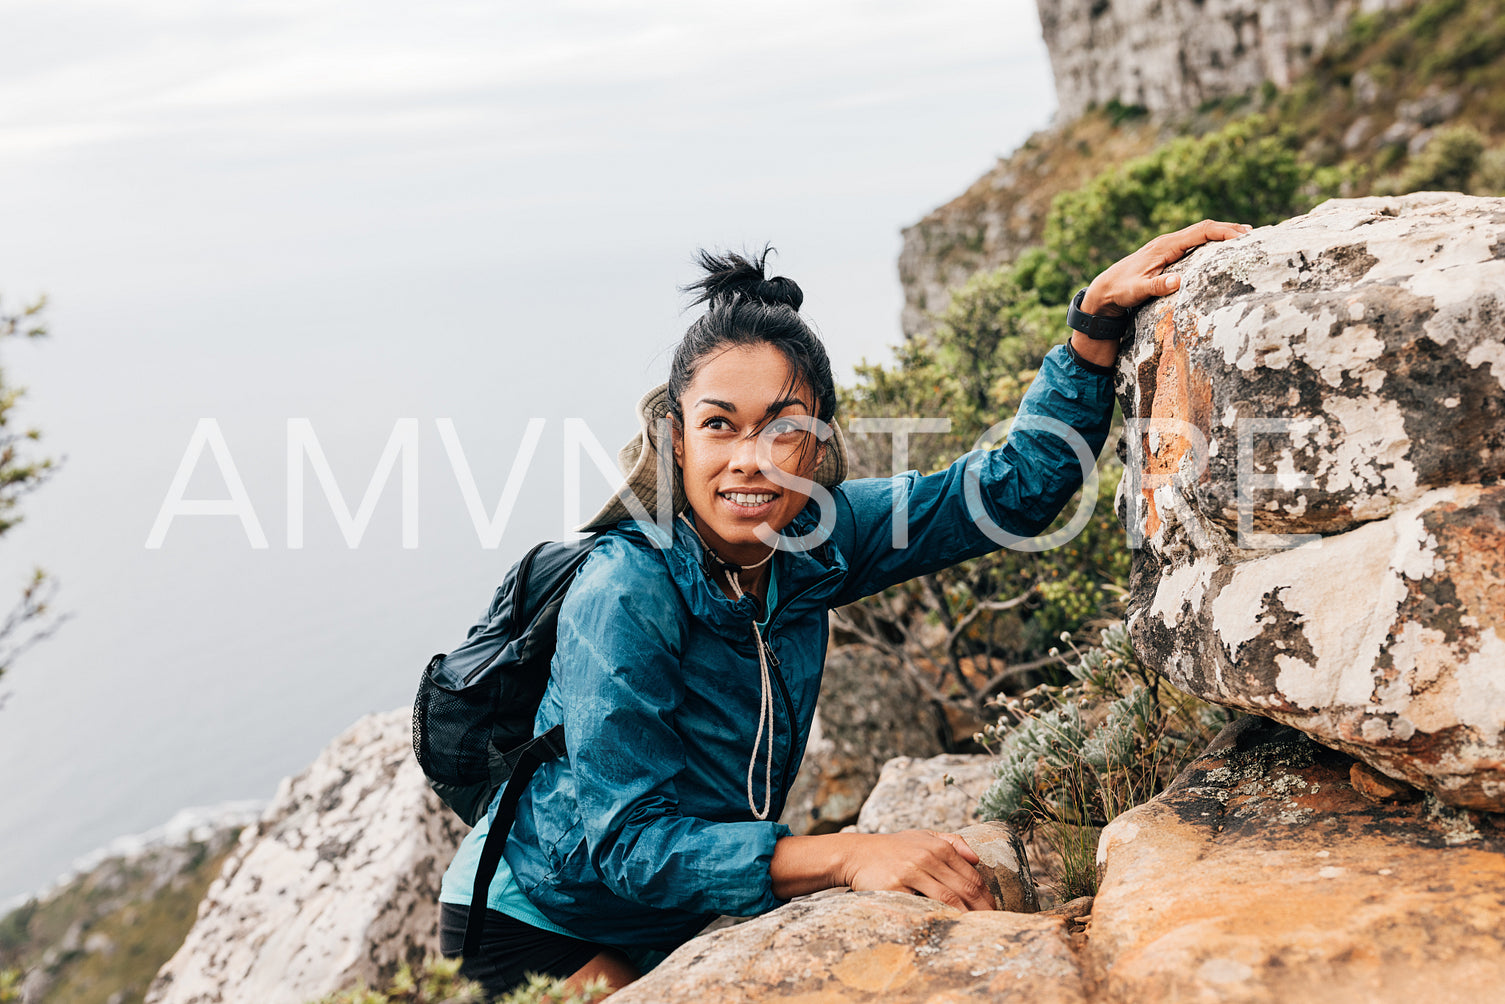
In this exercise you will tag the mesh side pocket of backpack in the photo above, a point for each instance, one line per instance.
(452, 730)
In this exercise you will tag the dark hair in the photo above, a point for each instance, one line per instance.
(748, 309)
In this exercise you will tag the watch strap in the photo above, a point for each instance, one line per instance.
(1096, 326)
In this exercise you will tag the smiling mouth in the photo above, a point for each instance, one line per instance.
(749, 500)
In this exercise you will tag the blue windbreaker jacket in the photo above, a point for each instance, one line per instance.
(644, 833)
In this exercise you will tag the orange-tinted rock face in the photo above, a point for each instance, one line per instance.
(1180, 413)
(1345, 375)
(845, 948)
(1263, 876)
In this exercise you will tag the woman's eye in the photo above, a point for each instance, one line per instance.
(716, 422)
(783, 426)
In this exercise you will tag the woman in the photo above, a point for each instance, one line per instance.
(690, 651)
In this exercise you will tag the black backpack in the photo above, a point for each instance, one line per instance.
(473, 717)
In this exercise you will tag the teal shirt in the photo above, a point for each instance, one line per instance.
(504, 896)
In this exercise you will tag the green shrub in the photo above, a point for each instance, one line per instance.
(1447, 164)
(438, 981)
(1118, 113)
(1490, 178)
(1073, 756)
(1480, 48)
(544, 990)
(1430, 17)
(1247, 172)
(999, 614)
(1363, 29)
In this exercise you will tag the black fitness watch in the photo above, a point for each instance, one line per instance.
(1096, 326)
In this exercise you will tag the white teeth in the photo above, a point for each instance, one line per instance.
(742, 498)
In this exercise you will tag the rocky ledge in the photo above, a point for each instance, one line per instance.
(1274, 868)
(1263, 874)
(337, 883)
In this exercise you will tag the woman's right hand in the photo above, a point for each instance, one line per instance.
(935, 865)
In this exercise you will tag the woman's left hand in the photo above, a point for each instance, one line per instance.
(1139, 277)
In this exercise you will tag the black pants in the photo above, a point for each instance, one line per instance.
(510, 949)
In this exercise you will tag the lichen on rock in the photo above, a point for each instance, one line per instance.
(338, 882)
(1316, 440)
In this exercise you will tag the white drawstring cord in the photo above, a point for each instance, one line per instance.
(765, 701)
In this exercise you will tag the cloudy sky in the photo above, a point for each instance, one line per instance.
(359, 214)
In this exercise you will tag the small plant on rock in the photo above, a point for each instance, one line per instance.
(1075, 755)
(438, 981)
(546, 990)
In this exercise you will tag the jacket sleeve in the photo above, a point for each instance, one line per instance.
(620, 642)
(1016, 490)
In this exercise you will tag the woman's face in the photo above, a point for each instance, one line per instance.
(742, 414)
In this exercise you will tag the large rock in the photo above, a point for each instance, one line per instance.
(869, 712)
(876, 946)
(1335, 380)
(930, 793)
(1261, 875)
(1173, 55)
(338, 882)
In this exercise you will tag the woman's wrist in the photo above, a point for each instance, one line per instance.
(1098, 299)
(1098, 352)
(802, 865)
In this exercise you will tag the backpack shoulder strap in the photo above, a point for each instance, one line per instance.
(543, 577)
(530, 756)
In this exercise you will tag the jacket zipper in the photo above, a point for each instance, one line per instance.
(778, 677)
(789, 766)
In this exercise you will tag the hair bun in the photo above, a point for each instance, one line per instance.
(731, 274)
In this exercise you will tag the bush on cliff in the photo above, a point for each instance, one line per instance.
(1454, 160)
(984, 625)
(438, 981)
(1247, 172)
(1074, 756)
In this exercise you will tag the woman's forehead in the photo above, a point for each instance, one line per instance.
(752, 378)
